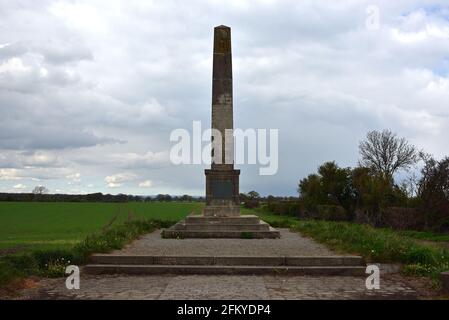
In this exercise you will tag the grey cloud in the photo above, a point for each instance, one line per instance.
(103, 90)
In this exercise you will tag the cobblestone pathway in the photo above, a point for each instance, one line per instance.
(219, 287)
(290, 243)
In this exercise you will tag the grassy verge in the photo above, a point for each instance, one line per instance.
(377, 245)
(52, 262)
(426, 235)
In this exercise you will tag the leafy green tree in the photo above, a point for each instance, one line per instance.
(253, 195)
(433, 192)
(331, 186)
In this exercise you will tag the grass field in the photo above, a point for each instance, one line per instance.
(26, 226)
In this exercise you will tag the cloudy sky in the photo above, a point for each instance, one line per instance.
(90, 90)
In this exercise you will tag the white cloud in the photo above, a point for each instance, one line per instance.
(117, 180)
(114, 185)
(9, 174)
(145, 184)
(74, 177)
(20, 186)
(13, 65)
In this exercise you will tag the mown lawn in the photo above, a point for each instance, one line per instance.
(26, 226)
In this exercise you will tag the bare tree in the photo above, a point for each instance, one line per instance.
(40, 190)
(386, 153)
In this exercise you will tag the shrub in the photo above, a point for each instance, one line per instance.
(284, 208)
(401, 218)
(332, 213)
(433, 192)
(251, 204)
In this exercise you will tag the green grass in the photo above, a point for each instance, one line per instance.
(376, 245)
(28, 226)
(52, 262)
(426, 235)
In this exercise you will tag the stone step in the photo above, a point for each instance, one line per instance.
(228, 260)
(261, 226)
(214, 269)
(244, 219)
(241, 234)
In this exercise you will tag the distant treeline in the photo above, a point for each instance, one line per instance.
(92, 197)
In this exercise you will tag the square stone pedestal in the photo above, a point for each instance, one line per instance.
(445, 281)
(202, 226)
(222, 193)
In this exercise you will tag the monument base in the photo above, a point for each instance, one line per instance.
(202, 226)
(222, 193)
(223, 209)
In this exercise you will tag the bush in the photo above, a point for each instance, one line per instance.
(251, 204)
(433, 193)
(332, 213)
(397, 218)
(400, 218)
(284, 208)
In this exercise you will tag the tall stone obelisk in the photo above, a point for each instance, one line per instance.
(222, 181)
(221, 216)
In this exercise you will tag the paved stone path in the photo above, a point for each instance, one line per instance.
(290, 243)
(219, 287)
(393, 286)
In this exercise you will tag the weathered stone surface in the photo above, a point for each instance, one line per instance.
(221, 227)
(222, 181)
(298, 261)
(207, 234)
(244, 219)
(289, 244)
(445, 281)
(228, 269)
(198, 287)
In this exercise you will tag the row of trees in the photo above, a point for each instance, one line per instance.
(39, 195)
(369, 193)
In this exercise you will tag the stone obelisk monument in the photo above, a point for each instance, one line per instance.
(221, 215)
(222, 180)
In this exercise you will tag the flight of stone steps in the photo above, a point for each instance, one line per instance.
(199, 226)
(242, 265)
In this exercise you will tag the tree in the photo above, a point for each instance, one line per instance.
(311, 192)
(385, 153)
(40, 190)
(253, 195)
(186, 198)
(331, 186)
(433, 191)
(250, 200)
